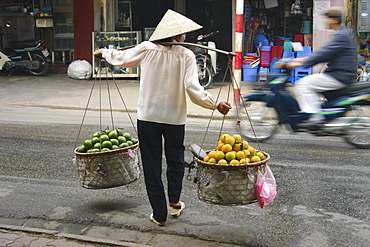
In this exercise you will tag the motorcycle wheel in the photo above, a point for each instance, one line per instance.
(204, 75)
(261, 124)
(44, 66)
(361, 140)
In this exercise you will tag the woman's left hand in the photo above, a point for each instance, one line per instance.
(98, 54)
(224, 107)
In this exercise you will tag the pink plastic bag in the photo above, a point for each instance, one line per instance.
(265, 187)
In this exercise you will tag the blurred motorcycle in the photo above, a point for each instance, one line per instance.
(347, 111)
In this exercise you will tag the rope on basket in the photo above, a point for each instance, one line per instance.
(100, 100)
(232, 82)
(247, 113)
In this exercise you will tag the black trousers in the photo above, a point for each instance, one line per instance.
(151, 137)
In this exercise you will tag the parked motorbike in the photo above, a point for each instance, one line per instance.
(28, 55)
(206, 59)
(347, 111)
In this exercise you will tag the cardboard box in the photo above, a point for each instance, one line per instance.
(44, 22)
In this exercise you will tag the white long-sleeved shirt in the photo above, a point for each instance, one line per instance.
(167, 74)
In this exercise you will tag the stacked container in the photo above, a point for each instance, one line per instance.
(249, 71)
(265, 55)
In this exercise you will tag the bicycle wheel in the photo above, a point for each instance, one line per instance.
(263, 122)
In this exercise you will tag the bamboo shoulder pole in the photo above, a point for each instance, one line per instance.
(190, 44)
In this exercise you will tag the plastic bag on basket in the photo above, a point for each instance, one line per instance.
(265, 187)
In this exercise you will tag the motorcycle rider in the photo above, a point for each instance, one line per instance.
(340, 56)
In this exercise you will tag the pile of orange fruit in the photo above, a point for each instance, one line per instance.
(233, 150)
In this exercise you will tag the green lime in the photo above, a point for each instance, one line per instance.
(95, 140)
(95, 150)
(114, 147)
(88, 144)
(130, 143)
(127, 136)
(134, 140)
(96, 134)
(106, 144)
(81, 149)
(104, 138)
(90, 151)
(113, 134)
(97, 145)
(105, 149)
(121, 139)
(123, 145)
(114, 141)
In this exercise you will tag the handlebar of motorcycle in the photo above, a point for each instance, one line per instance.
(203, 36)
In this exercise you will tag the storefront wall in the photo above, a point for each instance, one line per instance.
(84, 25)
(216, 15)
(213, 15)
(321, 34)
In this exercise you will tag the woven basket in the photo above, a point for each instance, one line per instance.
(108, 169)
(227, 184)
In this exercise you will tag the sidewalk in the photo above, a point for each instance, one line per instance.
(58, 91)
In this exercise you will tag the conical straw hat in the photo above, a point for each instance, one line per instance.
(173, 24)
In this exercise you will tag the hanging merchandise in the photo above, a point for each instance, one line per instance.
(247, 10)
(252, 27)
(296, 8)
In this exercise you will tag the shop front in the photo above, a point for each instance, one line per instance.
(74, 29)
(273, 28)
(125, 23)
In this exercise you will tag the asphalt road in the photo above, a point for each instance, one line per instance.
(323, 186)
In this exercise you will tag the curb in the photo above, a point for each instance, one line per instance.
(189, 115)
(57, 234)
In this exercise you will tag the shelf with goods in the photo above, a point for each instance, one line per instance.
(114, 40)
(63, 30)
(123, 15)
(16, 8)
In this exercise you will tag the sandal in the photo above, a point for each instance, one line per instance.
(158, 223)
(177, 211)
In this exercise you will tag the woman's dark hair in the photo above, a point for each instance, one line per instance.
(163, 40)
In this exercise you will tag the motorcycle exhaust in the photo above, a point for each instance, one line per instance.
(24, 64)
